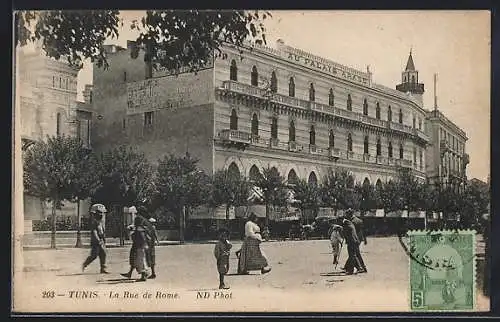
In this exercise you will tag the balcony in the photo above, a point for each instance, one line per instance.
(444, 146)
(313, 149)
(381, 160)
(334, 153)
(235, 136)
(421, 135)
(367, 157)
(292, 146)
(404, 163)
(401, 127)
(258, 141)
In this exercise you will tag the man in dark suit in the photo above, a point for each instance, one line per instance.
(359, 229)
(352, 242)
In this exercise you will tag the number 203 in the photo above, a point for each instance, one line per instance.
(417, 299)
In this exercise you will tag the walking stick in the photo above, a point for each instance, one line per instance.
(340, 252)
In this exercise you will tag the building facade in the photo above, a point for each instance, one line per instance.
(48, 90)
(259, 106)
(446, 157)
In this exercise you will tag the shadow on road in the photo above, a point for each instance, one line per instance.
(333, 274)
(78, 274)
(236, 274)
(203, 289)
(119, 281)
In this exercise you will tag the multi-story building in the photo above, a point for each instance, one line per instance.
(259, 106)
(446, 157)
(48, 106)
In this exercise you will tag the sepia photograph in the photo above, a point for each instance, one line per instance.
(250, 161)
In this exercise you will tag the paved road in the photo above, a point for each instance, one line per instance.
(302, 279)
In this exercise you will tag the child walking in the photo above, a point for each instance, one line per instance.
(336, 242)
(221, 253)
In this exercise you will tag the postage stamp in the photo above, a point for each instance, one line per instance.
(442, 270)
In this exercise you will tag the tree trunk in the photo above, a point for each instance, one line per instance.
(79, 223)
(122, 236)
(227, 212)
(182, 224)
(267, 215)
(54, 222)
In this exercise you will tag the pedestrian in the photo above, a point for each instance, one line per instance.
(360, 232)
(152, 242)
(336, 242)
(138, 250)
(352, 242)
(250, 255)
(97, 238)
(221, 253)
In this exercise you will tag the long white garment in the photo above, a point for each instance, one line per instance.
(252, 230)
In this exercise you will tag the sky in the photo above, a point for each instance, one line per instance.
(453, 44)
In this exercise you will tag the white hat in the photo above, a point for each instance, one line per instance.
(132, 210)
(152, 220)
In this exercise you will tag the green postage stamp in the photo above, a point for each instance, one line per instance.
(442, 270)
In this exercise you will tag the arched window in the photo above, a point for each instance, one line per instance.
(292, 177)
(312, 92)
(331, 98)
(349, 102)
(254, 173)
(255, 125)
(291, 132)
(313, 180)
(274, 82)
(377, 111)
(365, 107)
(233, 71)
(233, 170)
(401, 151)
(378, 185)
(233, 122)
(365, 145)
(254, 77)
(414, 122)
(414, 155)
(274, 128)
(419, 124)
(389, 150)
(413, 78)
(331, 139)
(350, 182)
(400, 116)
(58, 124)
(312, 136)
(389, 114)
(421, 159)
(379, 147)
(349, 142)
(366, 183)
(291, 87)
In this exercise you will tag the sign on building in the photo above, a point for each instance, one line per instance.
(170, 92)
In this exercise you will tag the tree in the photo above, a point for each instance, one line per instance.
(52, 168)
(273, 187)
(307, 194)
(126, 178)
(171, 38)
(390, 196)
(229, 189)
(181, 185)
(334, 189)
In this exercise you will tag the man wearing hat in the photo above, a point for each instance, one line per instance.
(152, 241)
(352, 242)
(360, 232)
(221, 253)
(97, 239)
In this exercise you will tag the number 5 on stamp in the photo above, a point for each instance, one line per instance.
(442, 270)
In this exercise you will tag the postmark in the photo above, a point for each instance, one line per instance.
(442, 270)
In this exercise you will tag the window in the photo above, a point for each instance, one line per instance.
(274, 128)
(414, 122)
(365, 107)
(331, 139)
(254, 77)
(124, 76)
(274, 82)
(349, 102)
(379, 147)
(389, 114)
(233, 121)
(233, 71)
(414, 155)
(90, 97)
(291, 132)
(365, 145)
(88, 131)
(413, 78)
(421, 160)
(389, 150)
(148, 118)
(60, 82)
(255, 125)
(349, 142)
(312, 96)
(124, 123)
(67, 83)
(58, 124)
(400, 116)
(420, 124)
(53, 81)
(291, 88)
(312, 136)
(377, 111)
(401, 151)
(331, 98)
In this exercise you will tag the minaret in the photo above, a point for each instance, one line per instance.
(409, 81)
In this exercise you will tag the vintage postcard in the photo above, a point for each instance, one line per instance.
(251, 161)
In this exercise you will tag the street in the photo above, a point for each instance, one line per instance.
(302, 279)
